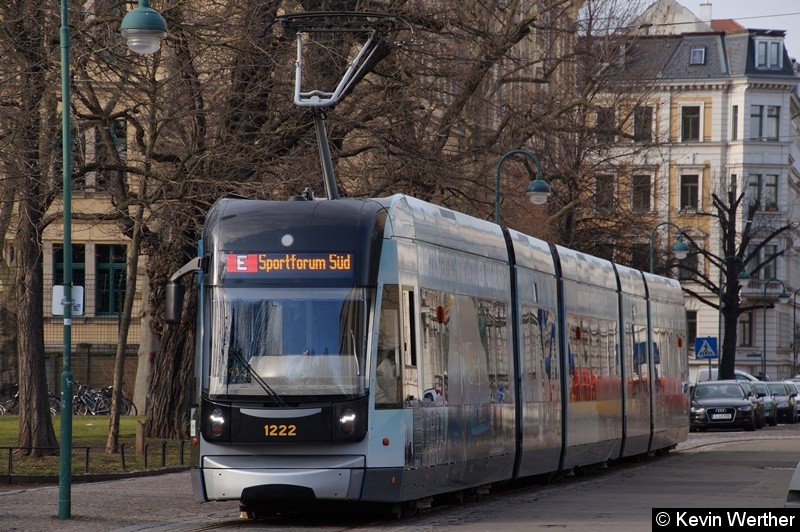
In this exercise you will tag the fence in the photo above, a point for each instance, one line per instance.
(94, 334)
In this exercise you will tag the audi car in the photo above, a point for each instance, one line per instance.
(723, 405)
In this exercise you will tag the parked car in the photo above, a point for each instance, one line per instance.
(785, 398)
(721, 404)
(770, 406)
(795, 387)
(739, 375)
(758, 400)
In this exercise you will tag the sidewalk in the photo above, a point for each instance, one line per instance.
(163, 502)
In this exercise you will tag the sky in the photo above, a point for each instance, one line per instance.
(758, 14)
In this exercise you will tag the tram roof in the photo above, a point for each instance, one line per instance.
(419, 220)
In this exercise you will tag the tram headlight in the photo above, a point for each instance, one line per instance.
(216, 424)
(347, 421)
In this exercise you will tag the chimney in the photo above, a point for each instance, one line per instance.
(705, 12)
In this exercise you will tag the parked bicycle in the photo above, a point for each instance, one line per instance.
(55, 404)
(89, 401)
(126, 406)
(10, 406)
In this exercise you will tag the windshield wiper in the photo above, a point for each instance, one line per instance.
(264, 386)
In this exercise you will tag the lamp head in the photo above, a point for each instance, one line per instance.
(680, 248)
(743, 278)
(783, 297)
(144, 29)
(538, 191)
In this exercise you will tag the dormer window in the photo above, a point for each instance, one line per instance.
(769, 53)
(698, 56)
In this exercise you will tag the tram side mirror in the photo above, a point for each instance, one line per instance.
(174, 304)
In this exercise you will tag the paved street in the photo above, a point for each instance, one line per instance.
(733, 469)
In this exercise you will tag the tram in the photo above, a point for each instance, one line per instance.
(390, 350)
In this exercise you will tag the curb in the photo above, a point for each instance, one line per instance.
(21, 480)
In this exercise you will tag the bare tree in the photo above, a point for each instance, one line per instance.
(741, 250)
(29, 160)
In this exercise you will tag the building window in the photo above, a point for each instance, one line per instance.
(604, 192)
(640, 196)
(698, 56)
(745, 336)
(106, 160)
(688, 268)
(78, 264)
(111, 270)
(643, 124)
(735, 122)
(767, 257)
(691, 327)
(765, 189)
(765, 122)
(605, 124)
(773, 115)
(640, 257)
(769, 270)
(690, 123)
(690, 188)
(78, 156)
(769, 53)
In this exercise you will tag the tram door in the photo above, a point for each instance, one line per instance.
(396, 373)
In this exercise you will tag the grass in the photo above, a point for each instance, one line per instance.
(91, 432)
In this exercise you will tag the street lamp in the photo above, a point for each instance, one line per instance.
(538, 190)
(140, 27)
(144, 29)
(783, 297)
(680, 248)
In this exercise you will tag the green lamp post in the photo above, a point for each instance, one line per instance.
(144, 30)
(680, 248)
(538, 190)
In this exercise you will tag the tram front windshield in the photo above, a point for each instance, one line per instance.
(286, 345)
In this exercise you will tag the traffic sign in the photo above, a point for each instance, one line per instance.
(705, 348)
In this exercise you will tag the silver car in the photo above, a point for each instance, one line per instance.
(770, 407)
(795, 386)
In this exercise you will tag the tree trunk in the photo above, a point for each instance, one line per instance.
(35, 426)
(112, 443)
(171, 389)
(148, 344)
(8, 331)
(170, 393)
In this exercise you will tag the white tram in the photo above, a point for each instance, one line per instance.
(390, 350)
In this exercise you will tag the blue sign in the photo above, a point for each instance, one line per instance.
(706, 348)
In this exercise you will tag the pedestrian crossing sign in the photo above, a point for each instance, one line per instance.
(705, 348)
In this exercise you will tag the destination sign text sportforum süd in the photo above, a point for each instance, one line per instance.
(290, 264)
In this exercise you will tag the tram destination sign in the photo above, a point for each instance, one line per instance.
(289, 265)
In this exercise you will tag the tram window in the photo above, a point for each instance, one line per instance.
(410, 377)
(387, 380)
(409, 333)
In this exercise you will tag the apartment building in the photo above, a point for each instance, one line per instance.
(722, 112)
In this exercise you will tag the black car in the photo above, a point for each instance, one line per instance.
(785, 398)
(752, 394)
(722, 404)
